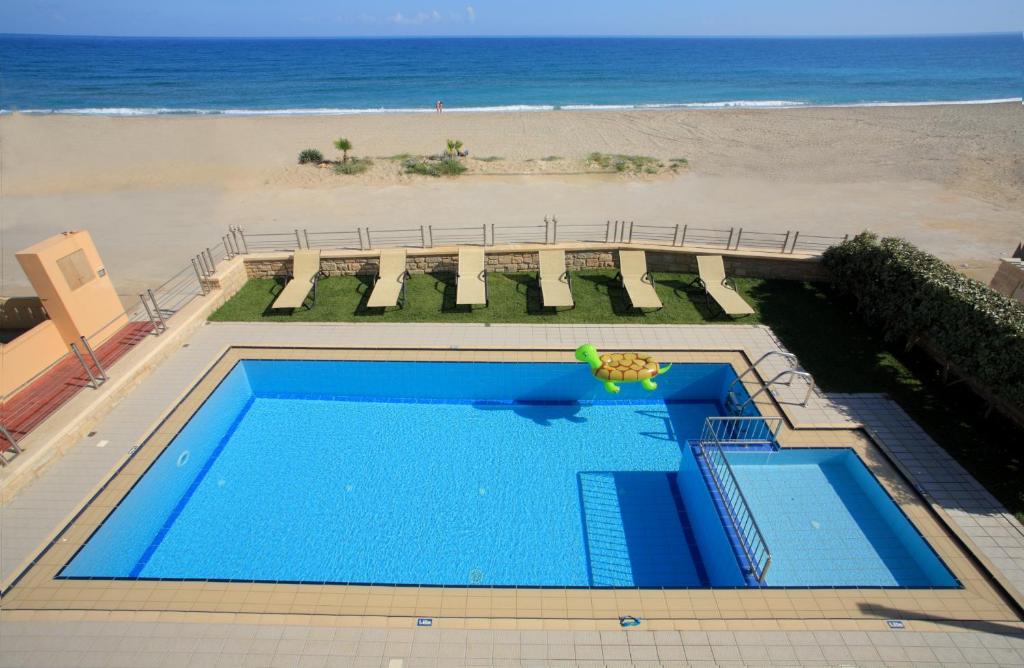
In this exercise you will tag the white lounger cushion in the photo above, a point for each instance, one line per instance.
(711, 269)
(633, 267)
(554, 284)
(305, 266)
(471, 286)
(390, 279)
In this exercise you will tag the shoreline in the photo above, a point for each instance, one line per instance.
(512, 108)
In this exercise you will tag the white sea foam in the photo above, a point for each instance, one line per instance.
(329, 111)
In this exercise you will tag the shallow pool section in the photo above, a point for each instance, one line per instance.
(480, 474)
(830, 524)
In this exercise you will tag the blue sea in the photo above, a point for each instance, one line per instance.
(140, 76)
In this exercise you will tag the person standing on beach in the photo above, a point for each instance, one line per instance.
(439, 106)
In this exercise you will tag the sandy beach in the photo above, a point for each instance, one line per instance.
(154, 190)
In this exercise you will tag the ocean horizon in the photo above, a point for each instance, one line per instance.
(141, 76)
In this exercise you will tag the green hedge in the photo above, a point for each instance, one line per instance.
(916, 296)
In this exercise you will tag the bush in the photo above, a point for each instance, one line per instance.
(311, 155)
(625, 163)
(353, 166)
(445, 167)
(450, 167)
(915, 296)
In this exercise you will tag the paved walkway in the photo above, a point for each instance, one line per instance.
(169, 644)
(47, 502)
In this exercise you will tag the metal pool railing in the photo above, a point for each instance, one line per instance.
(743, 430)
(738, 431)
(550, 231)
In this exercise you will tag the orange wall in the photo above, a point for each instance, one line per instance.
(92, 310)
(30, 353)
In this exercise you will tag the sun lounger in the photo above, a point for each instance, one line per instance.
(712, 278)
(637, 281)
(389, 281)
(555, 284)
(305, 274)
(471, 278)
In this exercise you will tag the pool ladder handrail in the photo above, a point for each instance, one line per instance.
(790, 357)
(777, 380)
(748, 532)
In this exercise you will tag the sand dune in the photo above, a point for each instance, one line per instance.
(154, 190)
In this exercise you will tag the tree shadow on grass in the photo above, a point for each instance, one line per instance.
(830, 340)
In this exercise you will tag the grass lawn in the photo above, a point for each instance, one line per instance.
(821, 328)
(513, 298)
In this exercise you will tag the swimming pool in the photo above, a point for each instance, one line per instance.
(486, 474)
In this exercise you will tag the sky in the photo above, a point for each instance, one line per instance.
(298, 18)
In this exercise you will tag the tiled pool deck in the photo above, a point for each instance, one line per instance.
(818, 627)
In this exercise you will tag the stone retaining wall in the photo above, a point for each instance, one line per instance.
(499, 261)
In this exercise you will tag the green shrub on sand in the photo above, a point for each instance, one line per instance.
(353, 166)
(311, 155)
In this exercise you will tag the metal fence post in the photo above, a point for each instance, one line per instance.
(199, 277)
(739, 236)
(305, 235)
(156, 309)
(213, 265)
(10, 439)
(796, 237)
(492, 233)
(149, 311)
(728, 244)
(369, 244)
(298, 239)
(682, 242)
(430, 229)
(675, 235)
(88, 371)
(785, 242)
(547, 226)
(630, 231)
(95, 360)
(554, 229)
(245, 244)
(483, 228)
(607, 230)
(423, 238)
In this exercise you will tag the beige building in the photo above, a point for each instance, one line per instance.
(75, 298)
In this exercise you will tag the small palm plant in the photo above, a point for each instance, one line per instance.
(343, 145)
(454, 146)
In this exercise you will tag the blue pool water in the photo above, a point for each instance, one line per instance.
(484, 474)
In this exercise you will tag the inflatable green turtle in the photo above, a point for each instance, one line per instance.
(621, 367)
